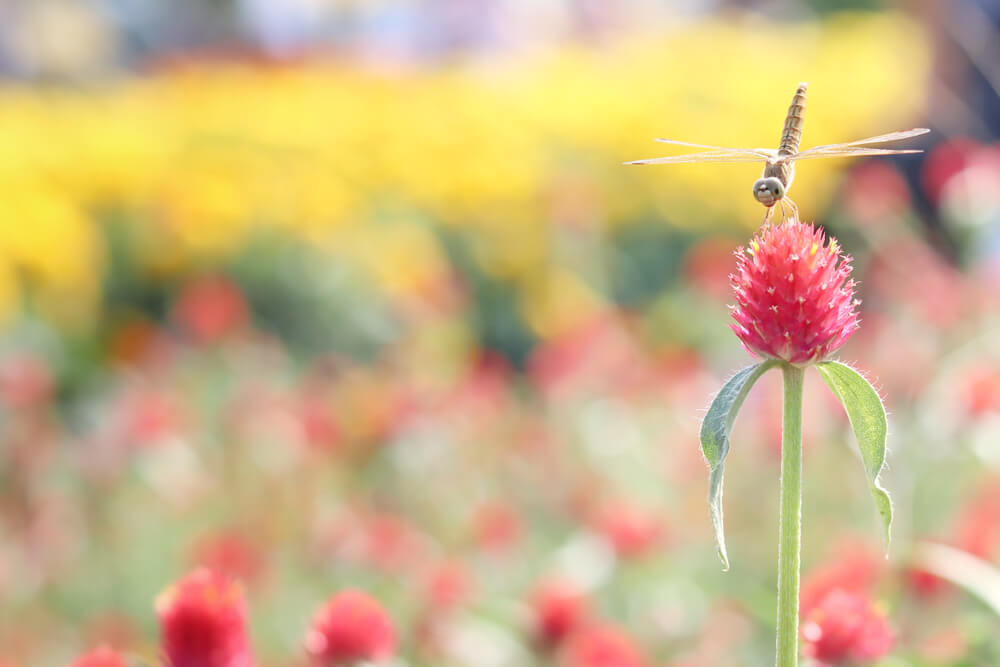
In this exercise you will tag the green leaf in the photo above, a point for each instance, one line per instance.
(867, 414)
(715, 441)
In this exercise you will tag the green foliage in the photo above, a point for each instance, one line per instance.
(867, 414)
(715, 440)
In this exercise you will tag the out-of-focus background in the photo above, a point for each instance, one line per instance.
(334, 293)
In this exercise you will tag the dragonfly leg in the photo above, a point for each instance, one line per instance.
(792, 206)
(767, 214)
(784, 211)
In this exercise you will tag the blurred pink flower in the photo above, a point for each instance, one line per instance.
(925, 584)
(25, 380)
(854, 568)
(707, 264)
(794, 298)
(935, 290)
(319, 422)
(447, 586)
(559, 610)
(231, 553)
(211, 308)
(632, 531)
(602, 646)
(980, 389)
(497, 527)
(845, 627)
(149, 415)
(103, 656)
(378, 540)
(596, 354)
(350, 627)
(943, 162)
(875, 192)
(978, 524)
(203, 622)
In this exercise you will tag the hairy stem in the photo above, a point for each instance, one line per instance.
(790, 528)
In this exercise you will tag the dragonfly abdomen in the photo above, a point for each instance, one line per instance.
(792, 134)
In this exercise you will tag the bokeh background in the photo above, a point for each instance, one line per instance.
(334, 293)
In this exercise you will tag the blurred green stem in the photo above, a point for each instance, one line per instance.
(790, 530)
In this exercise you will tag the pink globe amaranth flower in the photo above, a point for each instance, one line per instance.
(203, 622)
(602, 646)
(794, 300)
(846, 628)
(351, 626)
(103, 656)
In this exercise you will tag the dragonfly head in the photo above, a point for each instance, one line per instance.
(768, 190)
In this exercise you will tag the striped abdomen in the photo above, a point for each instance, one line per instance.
(792, 134)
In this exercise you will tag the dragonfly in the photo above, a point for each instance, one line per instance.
(779, 165)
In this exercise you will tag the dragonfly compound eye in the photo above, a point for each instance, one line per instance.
(768, 190)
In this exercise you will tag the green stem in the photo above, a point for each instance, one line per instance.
(790, 532)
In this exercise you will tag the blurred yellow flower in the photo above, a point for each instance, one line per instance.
(202, 158)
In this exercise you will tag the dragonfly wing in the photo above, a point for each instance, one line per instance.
(762, 152)
(848, 151)
(708, 156)
(879, 139)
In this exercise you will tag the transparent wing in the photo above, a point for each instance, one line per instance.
(707, 156)
(847, 151)
(763, 152)
(879, 139)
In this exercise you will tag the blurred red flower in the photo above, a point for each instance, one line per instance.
(351, 626)
(846, 627)
(203, 622)
(103, 656)
(559, 610)
(211, 308)
(602, 646)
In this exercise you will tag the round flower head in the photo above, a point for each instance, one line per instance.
(350, 627)
(203, 621)
(794, 300)
(846, 628)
